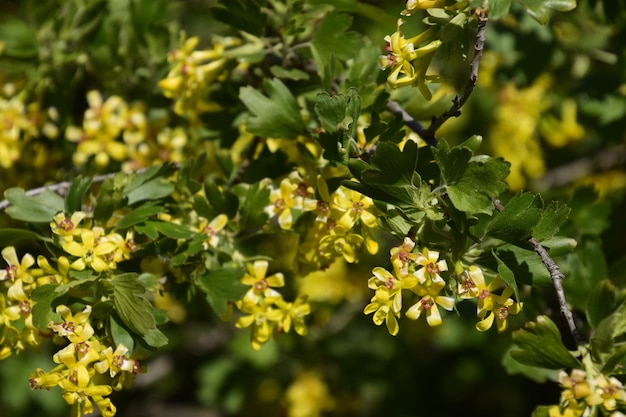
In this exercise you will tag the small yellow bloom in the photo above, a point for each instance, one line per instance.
(430, 299)
(261, 285)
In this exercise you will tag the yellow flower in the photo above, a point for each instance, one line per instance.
(262, 317)
(402, 256)
(339, 242)
(308, 396)
(492, 307)
(262, 286)
(91, 252)
(431, 266)
(382, 277)
(609, 392)
(103, 123)
(413, 5)
(67, 227)
(294, 313)
(408, 64)
(16, 269)
(381, 305)
(213, 228)
(430, 299)
(292, 194)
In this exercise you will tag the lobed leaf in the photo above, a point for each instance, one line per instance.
(540, 345)
(222, 286)
(40, 208)
(129, 302)
(274, 116)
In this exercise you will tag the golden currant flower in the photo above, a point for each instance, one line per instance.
(493, 307)
(91, 251)
(293, 314)
(293, 194)
(431, 266)
(394, 285)
(213, 229)
(381, 305)
(430, 299)
(402, 257)
(408, 61)
(261, 316)
(261, 285)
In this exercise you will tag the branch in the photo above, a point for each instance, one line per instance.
(61, 187)
(459, 101)
(411, 123)
(556, 275)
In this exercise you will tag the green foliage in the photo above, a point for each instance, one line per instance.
(259, 167)
(540, 345)
(276, 115)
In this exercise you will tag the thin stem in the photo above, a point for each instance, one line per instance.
(459, 101)
(62, 187)
(556, 275)
(411, 123)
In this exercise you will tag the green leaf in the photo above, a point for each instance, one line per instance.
(17, 39)
(338, 4)
(40, 208)
(559, 245)
(154, 189)
(76, 193)
(525, 264)
(551, 221)
(471, 182)
(454, 29)
(120, 334)
(246, 15)
(539, 375)
(541, 10)
(155, 338)
(46, 298)
(188, 248)
(507, 275)
(331, 39)
(540, 345)
(288, 74)
(10, 237)
(222, 201)
(516, 221)
(171, 230)
(542, 411)
(137, 216)
(333, 111)
(134, 309)
(498, 9)
(601, 302)
(222, 286)
(274, 116)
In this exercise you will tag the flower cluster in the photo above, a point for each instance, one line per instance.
(91, 247)
(408, 60)
(20, 123)
(193, 72)
(16, 320)
(87, 370)
(264, 308)
(585, 392)
(420, 273)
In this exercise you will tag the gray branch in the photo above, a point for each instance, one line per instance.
(556, 275)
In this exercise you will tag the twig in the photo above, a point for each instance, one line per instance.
(414, 125)
(459, 101)
(556, 275)
(61, 187)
